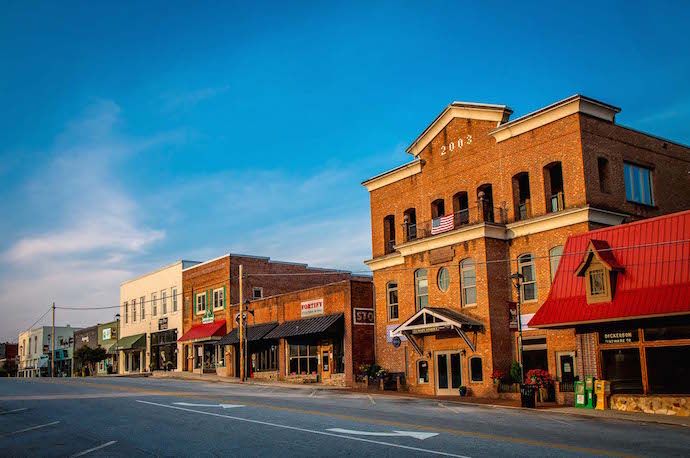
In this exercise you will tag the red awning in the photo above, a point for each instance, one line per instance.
(199, 332)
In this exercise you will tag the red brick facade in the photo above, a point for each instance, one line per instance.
(524, 222)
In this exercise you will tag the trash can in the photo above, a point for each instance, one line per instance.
(527, 395)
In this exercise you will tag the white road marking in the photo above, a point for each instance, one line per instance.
(312, 394)
(32, 428)
(421, 435)
(224, 406)
(295, 428)
(371, 399)
(449, 408)
(86, 452)
(13, 411)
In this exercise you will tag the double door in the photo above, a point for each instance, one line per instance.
(448, 373)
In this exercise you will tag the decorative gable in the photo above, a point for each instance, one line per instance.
(599, 269)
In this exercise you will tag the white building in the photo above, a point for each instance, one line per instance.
(151, 320)
(33, 356)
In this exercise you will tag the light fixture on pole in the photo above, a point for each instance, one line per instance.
(517, 278)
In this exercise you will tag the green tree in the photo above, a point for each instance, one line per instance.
(515, 372)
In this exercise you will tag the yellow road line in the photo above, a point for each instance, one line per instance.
(552, 445)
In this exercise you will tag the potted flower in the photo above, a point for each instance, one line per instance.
(463, 390)
(169, 366)
(498, 377)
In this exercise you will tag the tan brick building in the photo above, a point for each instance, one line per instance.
(484, 198)
(211, 299)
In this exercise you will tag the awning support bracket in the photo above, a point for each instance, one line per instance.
(413, 342)
(466, 338)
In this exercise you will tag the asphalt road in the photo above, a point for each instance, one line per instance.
(164, 417)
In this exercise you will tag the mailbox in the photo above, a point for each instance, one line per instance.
(602, 390)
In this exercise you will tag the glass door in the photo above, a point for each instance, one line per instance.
(448, 373)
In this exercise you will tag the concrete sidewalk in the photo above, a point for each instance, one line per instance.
(250, 381)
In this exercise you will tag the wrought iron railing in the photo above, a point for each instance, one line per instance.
(566, 387)
(465, 217)
(557, 202)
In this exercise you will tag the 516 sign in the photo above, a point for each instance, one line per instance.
(459, 143)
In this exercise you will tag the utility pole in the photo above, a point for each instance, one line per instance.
(52, 345)
(241, 324)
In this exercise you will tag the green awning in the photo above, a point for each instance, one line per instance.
(137, 341)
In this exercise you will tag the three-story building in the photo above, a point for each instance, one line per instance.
(485, 198)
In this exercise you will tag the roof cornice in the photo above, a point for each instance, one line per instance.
(559, 110)
(467, 110)
(391, 176)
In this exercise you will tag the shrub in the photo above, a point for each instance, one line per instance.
(515, 372)
(539, 377)
(499, 376)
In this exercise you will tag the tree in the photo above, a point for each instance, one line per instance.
(90, 356)
(9, 368)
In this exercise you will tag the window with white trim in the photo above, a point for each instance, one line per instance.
(421, 289)
(392, 299)
(468, 276)
(173, 299)
(257, 293)
(126, 313)
(638, 184)
(134, 310)
(164, 302)
(476, 372)
(200, 303)
(142, 303)
(555, 254)
(218, 299)
(422, 371)
(154, 305)
(528, 282)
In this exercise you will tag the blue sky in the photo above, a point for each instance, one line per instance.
(131, 138)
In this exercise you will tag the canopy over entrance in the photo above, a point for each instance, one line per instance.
(137, 341)
(202, 332)
(432, 320)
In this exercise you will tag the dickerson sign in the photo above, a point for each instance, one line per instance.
(311, 308)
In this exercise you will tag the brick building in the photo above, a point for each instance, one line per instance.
(211, 288)
(323, 334)
(485, 198)
(625, 290)
(84, 337)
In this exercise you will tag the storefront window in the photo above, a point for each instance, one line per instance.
(668, 370)
(667, 333)
(338, 357)
(423, 371)
(303, 359)
(265, 358)
(622, 368)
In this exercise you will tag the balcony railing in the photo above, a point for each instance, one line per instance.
(390, 246)
(466, 217)
(557, 202)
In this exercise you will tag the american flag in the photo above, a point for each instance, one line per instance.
(442, 224)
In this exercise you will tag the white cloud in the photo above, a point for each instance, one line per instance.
(80, 227)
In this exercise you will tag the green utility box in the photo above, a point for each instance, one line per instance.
(580, 395)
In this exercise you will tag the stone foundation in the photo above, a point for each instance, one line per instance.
(659, 405)
(271, 376)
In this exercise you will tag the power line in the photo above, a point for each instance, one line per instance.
(34, 323)
(403, 269)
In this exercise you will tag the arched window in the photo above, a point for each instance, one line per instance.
(443, 279)
(554, 258)
(485, 199)
(389, 234)
(476, 370)
(410, 224)
(392, 300)
(438, 208)
(521, 196)
(460, 209)
(528, 282)
(553, 187)
(422, 371)
(468, 280)
(421, 289)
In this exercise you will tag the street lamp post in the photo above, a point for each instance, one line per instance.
(517, 278)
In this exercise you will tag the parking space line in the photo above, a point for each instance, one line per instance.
(13, 411)
(86, 452)
(296, 428)
(32, 428)
(371, 399)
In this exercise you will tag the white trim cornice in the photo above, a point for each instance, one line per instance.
(574, 104)
(465, 110)
(391, 176)
(510, 231)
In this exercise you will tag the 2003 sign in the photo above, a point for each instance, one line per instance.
(449, 148)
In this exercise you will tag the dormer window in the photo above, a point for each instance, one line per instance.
(597, 283)
(599, 268)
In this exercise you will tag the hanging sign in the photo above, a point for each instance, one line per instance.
(363, 316)
(208, 318)
(512, 307)
(311, 308)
